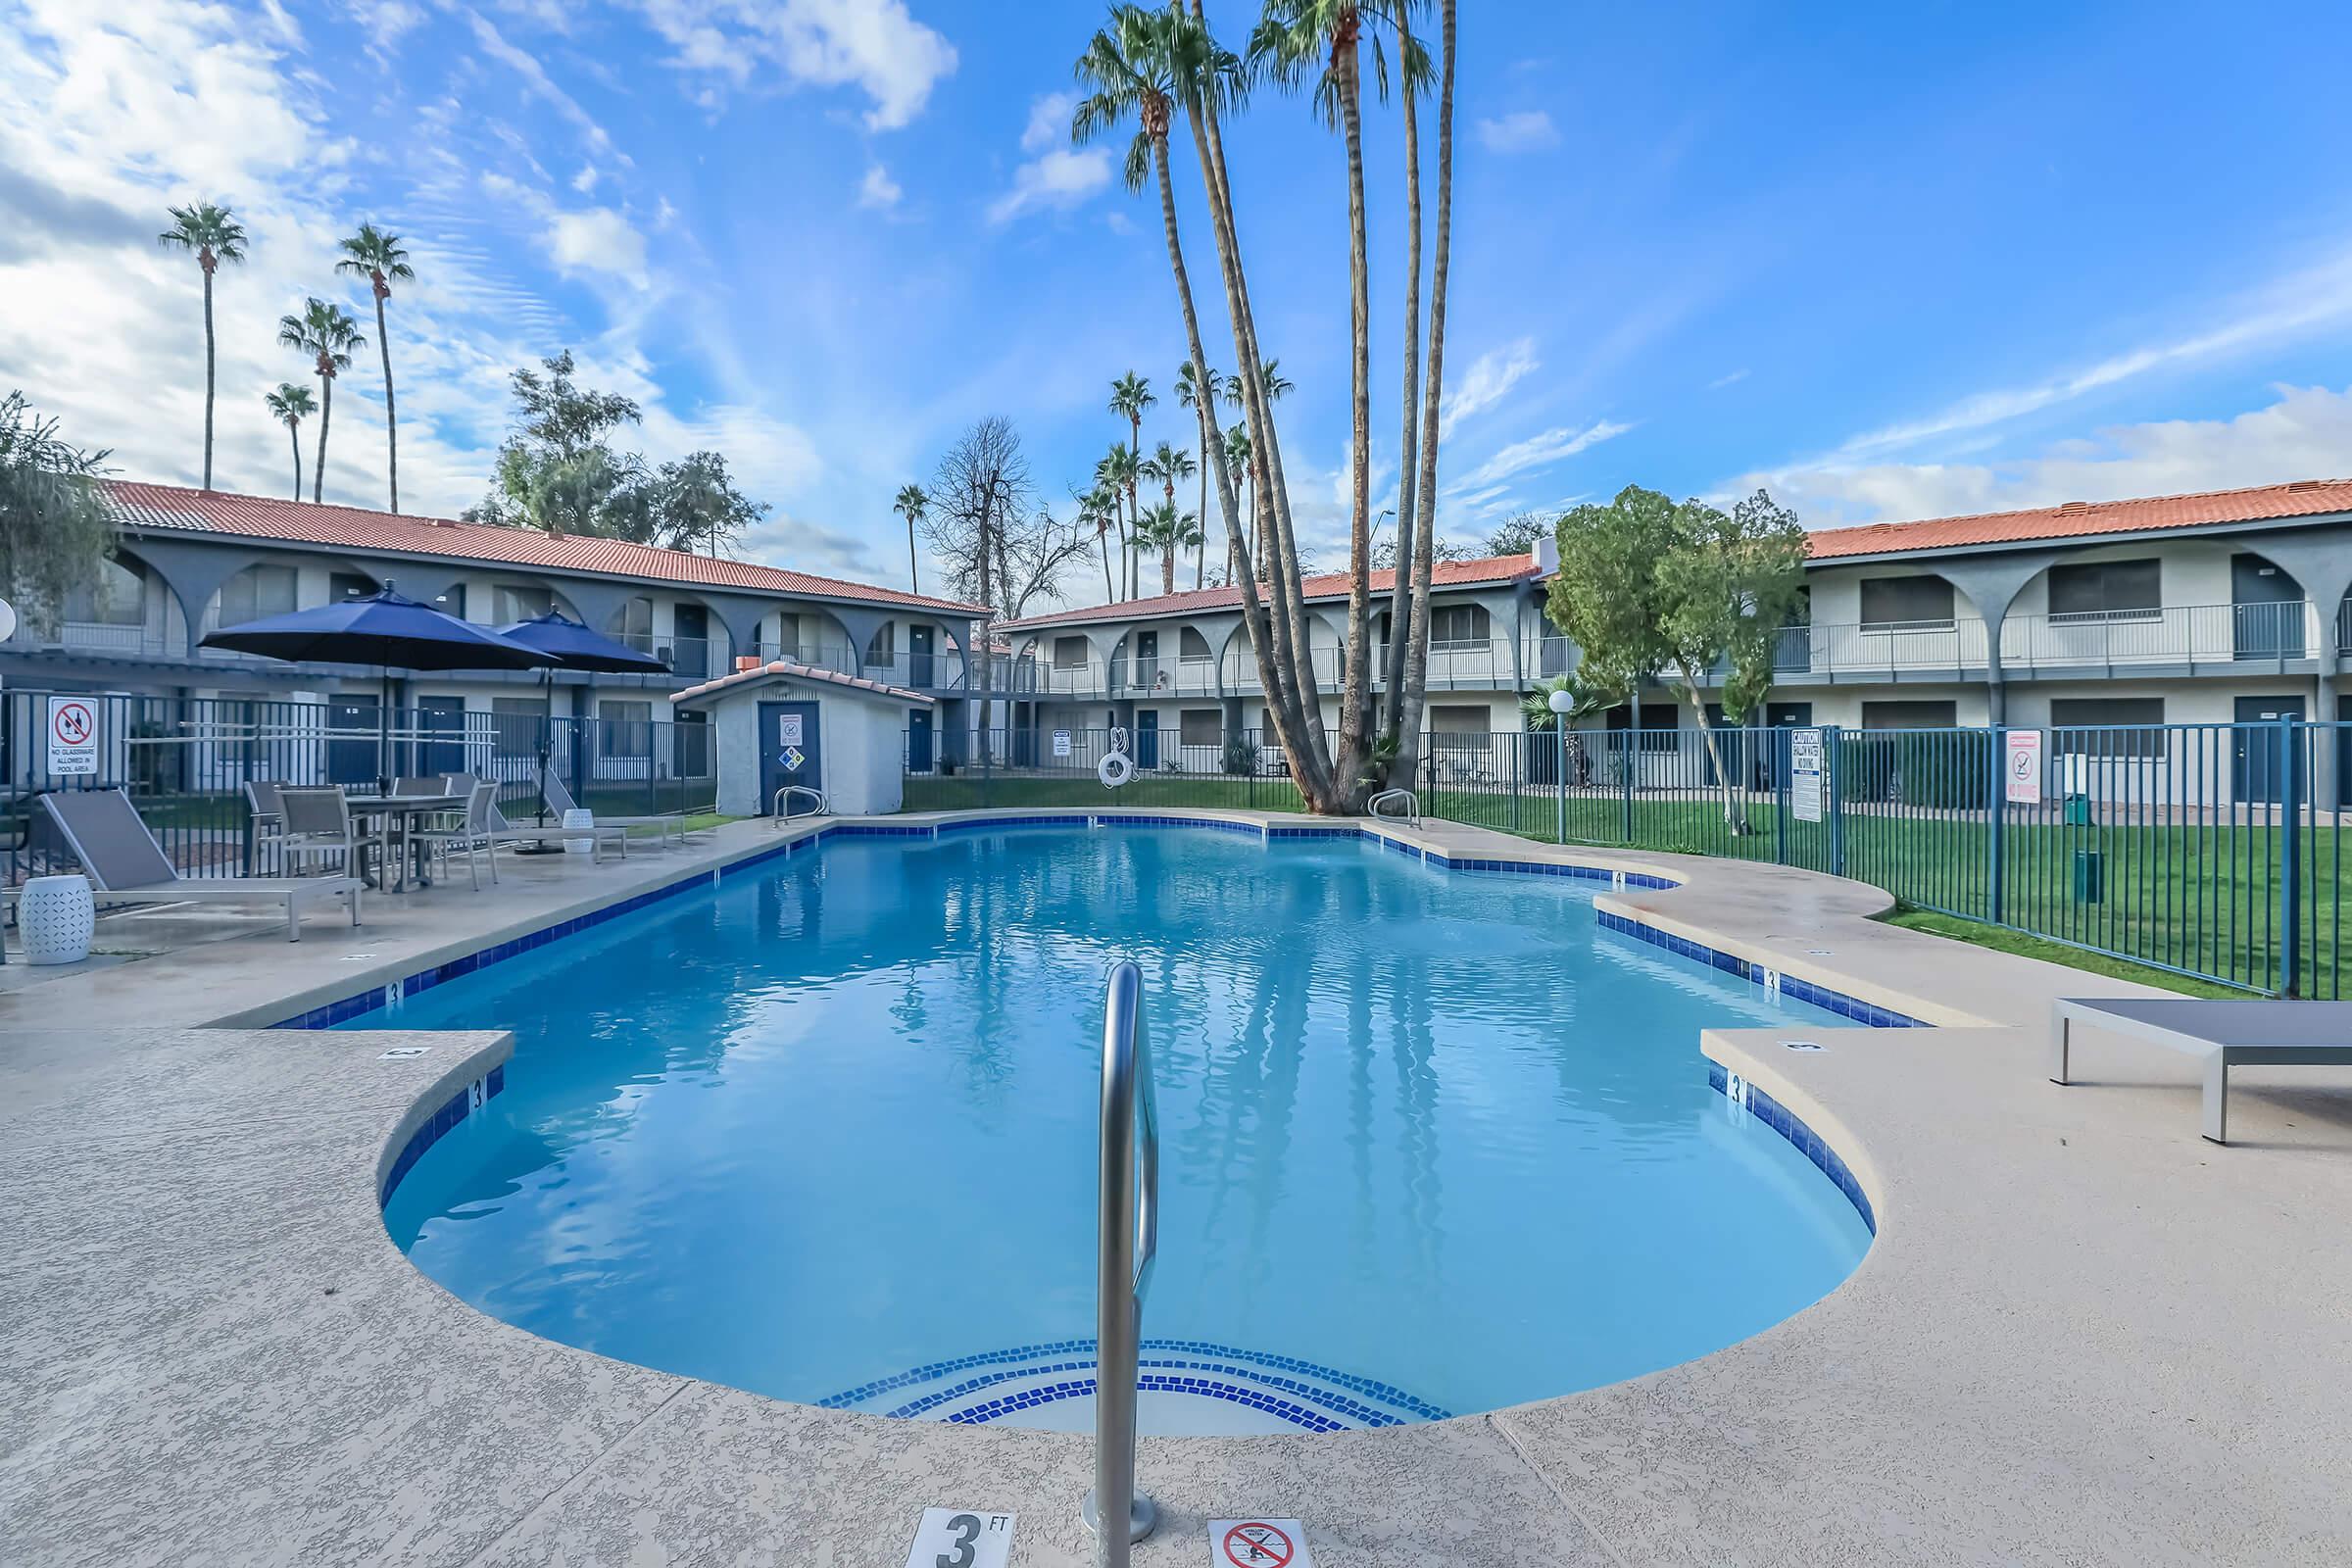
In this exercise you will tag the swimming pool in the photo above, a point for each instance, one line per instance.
(1433, 1142)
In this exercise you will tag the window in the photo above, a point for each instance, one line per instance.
(614, 710)
(1191, 647)
(883, 649)
(2105, 589)
(1460, 718)
(1910, 603)
(1660, 722)
(1200, 726)
(633, 622)
(342, 585)
(2112, 726)
(1069, 653)
(119, 597)
(255, 592)
(520, 601)
(1455, 625)
(452, 603)
(1914, 714)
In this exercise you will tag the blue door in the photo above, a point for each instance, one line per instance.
(439, 715)
(352, 756)
(918, 741)
(2257, 765)
(1147, 738)
(789, 754)
(922, 674)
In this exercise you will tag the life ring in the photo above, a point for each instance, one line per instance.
(1115, 769)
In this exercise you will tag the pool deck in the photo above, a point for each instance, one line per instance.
(2083, 1333)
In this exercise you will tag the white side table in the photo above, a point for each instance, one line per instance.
(55, 918)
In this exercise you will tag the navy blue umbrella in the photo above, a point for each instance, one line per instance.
(575, 647)
(385, 629)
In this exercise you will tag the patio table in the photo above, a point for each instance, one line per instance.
(398, 816)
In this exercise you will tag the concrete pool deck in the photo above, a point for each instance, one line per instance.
(2083, 1336)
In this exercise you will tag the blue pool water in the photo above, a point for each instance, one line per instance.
(829, 1127)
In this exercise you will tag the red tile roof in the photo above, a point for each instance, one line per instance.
(785, 667)
(2304, 498)
(165, 506)
(1329, 585)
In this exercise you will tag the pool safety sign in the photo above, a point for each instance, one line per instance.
(2021, 776)
(1257, 1544)
(1804, 774)
(790, 737)
(73, 735)
(1061, 743)
(961, 1537)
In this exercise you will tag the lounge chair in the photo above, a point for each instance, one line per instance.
(2222, 1033)
(125, 865)
(558, 801)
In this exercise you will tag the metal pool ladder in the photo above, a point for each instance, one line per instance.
(1405, 798)
(823, 808)
(1129, 1220)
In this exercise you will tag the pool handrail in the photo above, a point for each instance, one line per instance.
(776, 806)
(1128, 1215)
(1412, 805)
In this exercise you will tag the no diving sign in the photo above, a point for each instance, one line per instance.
(1257, 1544)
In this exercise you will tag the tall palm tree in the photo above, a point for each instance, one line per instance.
(1099, 508)
(290, 404)
(1171, 530)
(328, 334)
(1321, 39)
(1170, 464)
(1189, 389)
(1270, 377)
(1237, 467)
(911, 505)
(1130, 396)
(1142, 67)
(1121, 469)
(213, 233)
(377, 257)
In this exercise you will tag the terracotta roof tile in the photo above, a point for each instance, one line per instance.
(786, 666)
(2304, 498)
(1325, 586)
(165, 506)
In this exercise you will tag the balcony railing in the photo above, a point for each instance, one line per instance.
(2186, 636)
(688, 658)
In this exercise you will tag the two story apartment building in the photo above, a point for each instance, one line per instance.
(2194, 609)
(187, 561)
(1177, 668)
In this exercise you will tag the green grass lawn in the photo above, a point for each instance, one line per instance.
(2000, 939)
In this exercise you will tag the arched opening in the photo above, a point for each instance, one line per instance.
(2266, 608)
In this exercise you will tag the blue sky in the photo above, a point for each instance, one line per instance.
(1890, 264)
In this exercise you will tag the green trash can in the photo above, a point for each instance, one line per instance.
(2091, 876)
(2078, 811)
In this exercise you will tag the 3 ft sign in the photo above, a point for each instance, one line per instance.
(73, 736)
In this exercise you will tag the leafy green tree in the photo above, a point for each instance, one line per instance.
(213, 234)
(694, 501)
(1517, 534)
(377, 256)
(54, 528)
(1653, 590)
(290, 404)
(557, 469)
(328, 334)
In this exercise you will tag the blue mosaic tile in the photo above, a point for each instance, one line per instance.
(1800, 1137)
(437, 1126)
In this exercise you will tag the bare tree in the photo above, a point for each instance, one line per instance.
(1033, 555)
(979, 495)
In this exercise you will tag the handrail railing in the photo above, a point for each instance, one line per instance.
(776, 806)
(1128, 1214)
(1412, 805)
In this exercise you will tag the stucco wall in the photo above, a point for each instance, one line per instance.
(859, 745)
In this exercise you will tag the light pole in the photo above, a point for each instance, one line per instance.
(1560, 703)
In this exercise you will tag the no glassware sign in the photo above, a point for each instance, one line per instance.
(72, 736)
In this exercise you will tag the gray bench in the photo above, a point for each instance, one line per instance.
(2224, 1034)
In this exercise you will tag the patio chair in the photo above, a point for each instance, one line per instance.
(558, 801)
(476, 835)
(420, 784)
(269, 817)
(126, 865)
(316, 821)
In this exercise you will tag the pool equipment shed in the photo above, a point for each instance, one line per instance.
(784, 723)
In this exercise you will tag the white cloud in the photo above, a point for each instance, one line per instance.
(1732, 378)
(1049, 121)
(1059, 180)
(541, 86)
(585, 180)
(2305, 434)
(1528, 130)
(1538, 452)
(877, 189)
(1490, 377)
(597, 239)
(873, 45)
